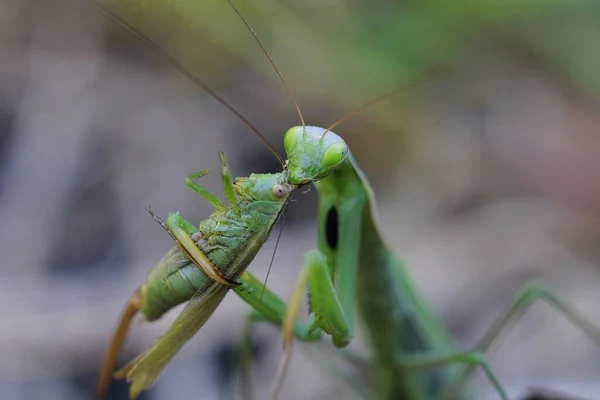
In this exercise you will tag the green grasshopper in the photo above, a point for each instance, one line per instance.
(413, 355)
(205, 263)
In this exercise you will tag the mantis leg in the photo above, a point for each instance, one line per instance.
(336, 261)
(528, 294)
(266, 307)
(323, 298)
(471, 358)
(332, 306)
(331, 360)
(246, 361)
(346, 367)
(476, 358)
(271, 308)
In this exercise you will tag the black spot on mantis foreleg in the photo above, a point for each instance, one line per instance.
(331, 228)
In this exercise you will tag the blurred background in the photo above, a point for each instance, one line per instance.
(486, 176)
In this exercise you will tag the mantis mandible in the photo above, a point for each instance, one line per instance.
(414, 357)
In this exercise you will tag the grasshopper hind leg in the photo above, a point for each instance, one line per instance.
(110, 359)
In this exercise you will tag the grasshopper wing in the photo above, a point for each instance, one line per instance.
(146, 368)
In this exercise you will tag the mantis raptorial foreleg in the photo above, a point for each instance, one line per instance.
(268, 306)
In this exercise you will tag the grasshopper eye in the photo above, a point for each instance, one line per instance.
(334, 154)
(280, 191)
(290, 140)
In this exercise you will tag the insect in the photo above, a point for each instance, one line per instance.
(206, 261)
(413, 355)
(204, 264)
(353, 266)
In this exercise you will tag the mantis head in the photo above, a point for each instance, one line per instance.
(312, 156)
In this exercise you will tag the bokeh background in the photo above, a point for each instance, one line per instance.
(486, 176)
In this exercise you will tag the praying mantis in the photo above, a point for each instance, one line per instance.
(351, 270)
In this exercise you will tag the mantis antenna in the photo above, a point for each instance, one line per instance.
(194, 78)
(412, 83)
(281, 78)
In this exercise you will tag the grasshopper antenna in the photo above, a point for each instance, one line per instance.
(412, 83)
(281, 78)
(262, 292)
(194, 78)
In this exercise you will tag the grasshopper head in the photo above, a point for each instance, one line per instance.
(311, 156)
(264, 187)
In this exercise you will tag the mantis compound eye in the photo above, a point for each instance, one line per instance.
(280, 191)
(291, 137)
(334, 154)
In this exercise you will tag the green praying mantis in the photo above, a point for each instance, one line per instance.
(351, 270)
